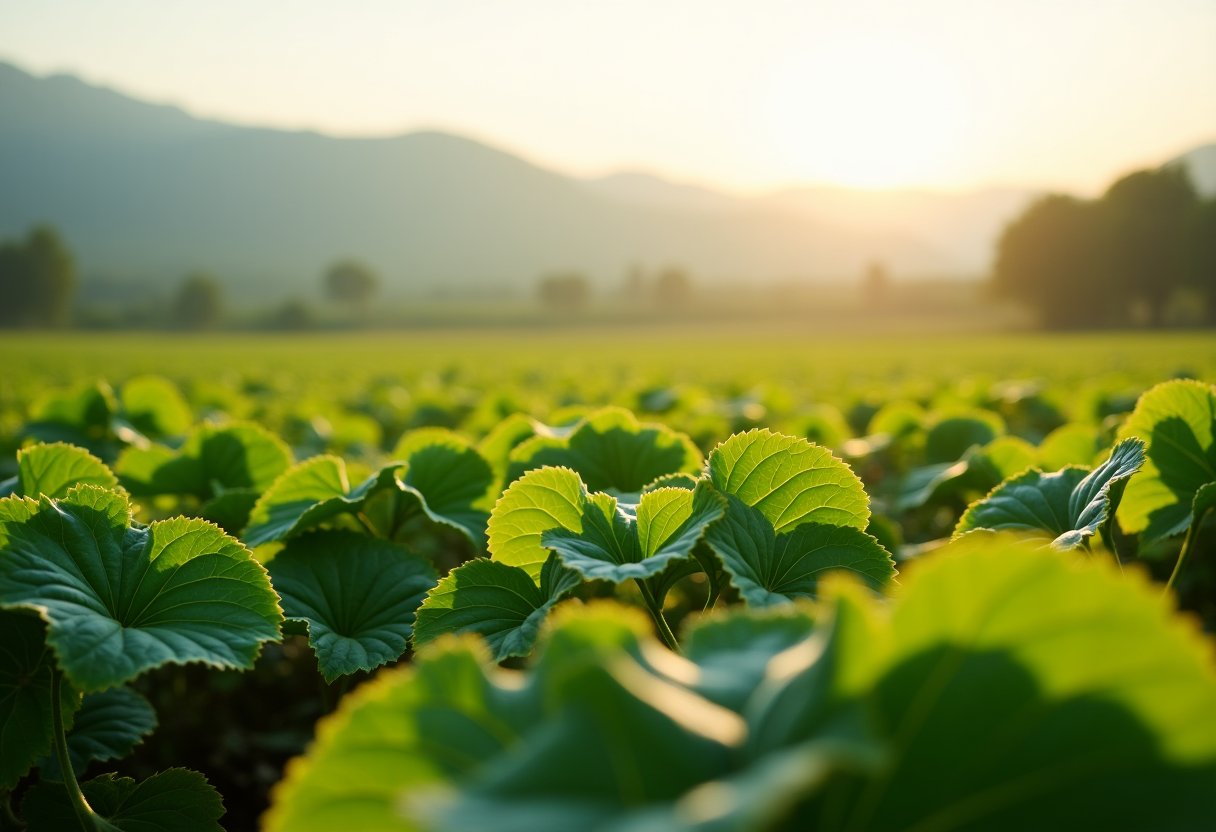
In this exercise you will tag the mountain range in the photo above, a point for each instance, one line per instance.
(144, 193)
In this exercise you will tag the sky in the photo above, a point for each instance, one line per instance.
(745, 95)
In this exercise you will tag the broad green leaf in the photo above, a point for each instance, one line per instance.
(312, 492)
(416, 727)
(793, 512)
(950, 438)
(616, 542)
(1177, 421)
(26, 666)
(545, 499)
(501, 603)
(1024, 689)
(176, 800)
(119, 600)
(87, 408)
(1070, 505)
(790, 481)
(497, 445)
(898, 419)
(357, 594)
(154, 406)
(980, 470)
(450, 479)
(109, 725)
(230, 510)
(732, 651)
(591, 737)
(1072, 444)
(53, 469)
(612, 451)
(770, 568)
(213, 460)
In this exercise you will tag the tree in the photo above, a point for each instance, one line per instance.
(1198, 259)
(1144, 214)
(1050, 257)
(37, 279)
(672, 286)
(199, 303)
(351, 282)
(567, 291)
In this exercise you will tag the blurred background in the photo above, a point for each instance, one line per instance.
(296, 165)
(293, 166)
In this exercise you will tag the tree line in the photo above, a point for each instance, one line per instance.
(1144, 252)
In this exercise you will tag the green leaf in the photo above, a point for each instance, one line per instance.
(504, 437)
(26, 667)
(980, 469)
(119, 600)
(790, 481)
(1070, 505)
(1177, 420)
(793, 512)
(769, 568)
(950, 438)
(230, 510)
(732, 651)
(213, 460)
(357, 594)
(53, 469)
(154, 406)
(612, 451)
(450, 479)
(616, 543)
(1024, 689)
(501, 603)
(177, 800)
(544, 499)
(308, 494)
(108, 726)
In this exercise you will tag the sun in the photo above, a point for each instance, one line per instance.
(866, 114)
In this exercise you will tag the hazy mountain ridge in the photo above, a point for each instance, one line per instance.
(147, 192)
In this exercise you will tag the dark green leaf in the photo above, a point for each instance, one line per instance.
(358, 595)
(26, 666)
(501, 603)
(176, 800)
(1069, 505)
(119, 599)
(950, 438)
(612, 451)
(450, 479)
(154, 406)
(109, 725)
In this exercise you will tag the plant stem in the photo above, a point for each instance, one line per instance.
(1192, 532)
(8, 821)
(75, 796)
(656, 613)
(715, 589)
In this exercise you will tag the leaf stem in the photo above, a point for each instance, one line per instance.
(8, 821)
(75, 796)
(1192, 532)
(656, 613)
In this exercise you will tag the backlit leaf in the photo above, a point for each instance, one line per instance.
(53, 469)
(154, 406)
(450, 479)
(1177, 421)
(109, 725)
(176, 800)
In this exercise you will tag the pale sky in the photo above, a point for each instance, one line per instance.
(745, 94)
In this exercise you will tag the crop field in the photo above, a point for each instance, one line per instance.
(706, 579)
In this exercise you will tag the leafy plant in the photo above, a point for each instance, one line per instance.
(1177, 487)
(1069, 506)
(89, 600)
(1003, 690)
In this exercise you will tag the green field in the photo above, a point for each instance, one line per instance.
(631, 579)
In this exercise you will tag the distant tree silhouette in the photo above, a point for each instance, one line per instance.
(1049, 258)
(1144, 214)
(672, 287)
(199, 303)
(293, 316)
(351, 282)
(1198, 260)
(37, 279)
(567, 291)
